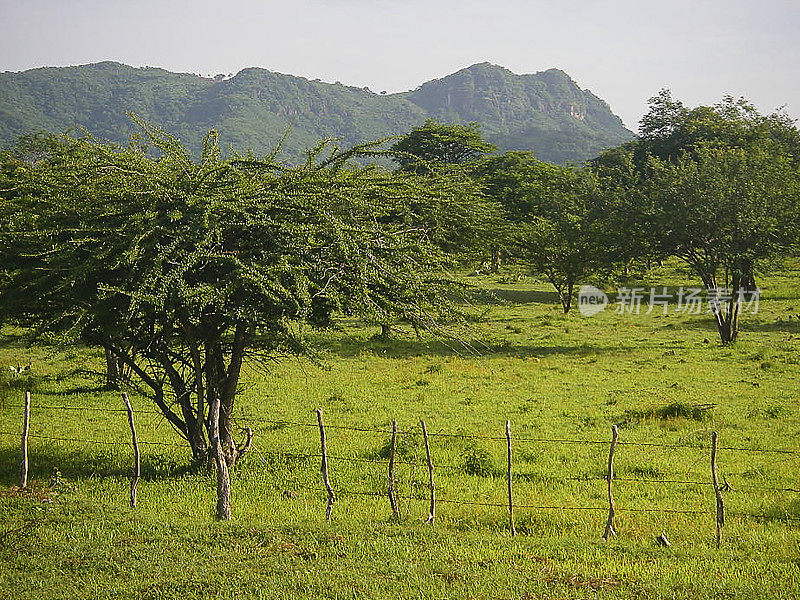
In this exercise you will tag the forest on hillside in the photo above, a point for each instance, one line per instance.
(545, 113)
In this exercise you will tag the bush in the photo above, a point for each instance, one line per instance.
(478, 461)
(673, 411)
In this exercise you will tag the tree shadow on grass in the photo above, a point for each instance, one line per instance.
(501, 296)
(789, 511)
(745, 325)
(13, 337)
(405, 348)
(80, 390)
(48, 462)
(779, 325)
(51, 384)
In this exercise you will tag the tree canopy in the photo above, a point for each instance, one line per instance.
(670, 128)
(554, 222)
(436, 142)
(181, 268)
(562, 235)
(725, 212)
(714, 185)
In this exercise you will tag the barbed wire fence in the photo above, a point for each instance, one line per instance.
(390, 463)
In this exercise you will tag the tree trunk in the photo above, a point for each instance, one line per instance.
(221, 383)
(192, 427)
(196, 381)
(729, 326)
(748, 282)
(497, 256)
(570, 291)
(566, 301)
(214, 383)
(565, 296)
(112, 370)
(731, 318)
(726, 314)
(232, 451)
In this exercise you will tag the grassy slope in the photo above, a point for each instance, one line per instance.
(552, 376)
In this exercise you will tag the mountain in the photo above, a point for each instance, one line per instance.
(546, 113)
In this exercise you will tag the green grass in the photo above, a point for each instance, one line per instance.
(559, 379)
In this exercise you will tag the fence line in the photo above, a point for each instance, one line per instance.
(387, 431)
(94, 408)
(421, 498)
(89, 441)
(379, 461)
(332, 492)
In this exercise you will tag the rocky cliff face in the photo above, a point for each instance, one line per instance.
(546, 113)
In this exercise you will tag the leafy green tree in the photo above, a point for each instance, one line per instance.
(620, 199)
(451, 207)
(672, 133)
(562, 233)
(669, 128)
(504, 177)
(554, 224)
(441, 143)
(725, 212)
(466, 224)
(182, 269)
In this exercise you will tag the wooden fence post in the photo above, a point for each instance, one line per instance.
(610, 478)
(717, 491)
(223, 477)
(23, 471)
(391, 490)
(324, 468)
(432, 510)
(510, 497)
(137, 458)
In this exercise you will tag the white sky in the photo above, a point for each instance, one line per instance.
(623, 50)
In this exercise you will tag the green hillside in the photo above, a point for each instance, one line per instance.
(547, 112)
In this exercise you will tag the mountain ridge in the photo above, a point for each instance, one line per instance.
(544, 112)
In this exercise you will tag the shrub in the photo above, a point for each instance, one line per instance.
(478, 461)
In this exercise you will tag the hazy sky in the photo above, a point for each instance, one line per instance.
(623, 50)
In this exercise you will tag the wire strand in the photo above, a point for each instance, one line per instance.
(364, 429)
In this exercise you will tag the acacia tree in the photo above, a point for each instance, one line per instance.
(181, 269)
(442, 143)
(724, 211)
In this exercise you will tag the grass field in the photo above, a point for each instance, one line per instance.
(561, 380)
